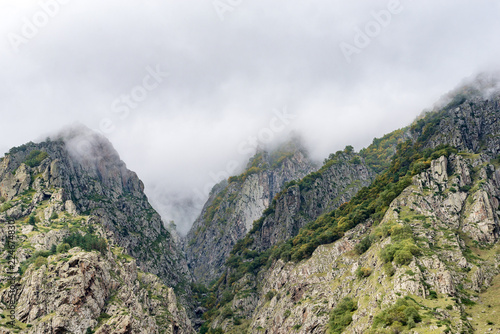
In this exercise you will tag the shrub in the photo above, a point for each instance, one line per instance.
(227, 296)
(103, 316)
(341, 316)
(63, 248)
(227, 312)
(348, 149)
(433, 294)
(270, 294)
(39, 258)
(253, 170)
(35, 158)
(403, 257)
(356, 160)
(363, 245)
(54, 216)
(87, 242)
(456, 101)
(389, 269)
(400, 252)
(40, 261)
(465, 188)
(363, 272)
(467, 301)
(32, 220)
(402, 313)
(6, 206)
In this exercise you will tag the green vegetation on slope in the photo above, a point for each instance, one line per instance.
(35, 158)
(339, 157)
(403, 248)
(304, 184)
(378, 155)
(87, 242)
(341, 316)
(215, 206)
(369, 203)
(403, 313)
(260, 162)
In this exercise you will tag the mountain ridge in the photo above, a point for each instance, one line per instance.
(467, 127)
(82, 220)
(401, 237)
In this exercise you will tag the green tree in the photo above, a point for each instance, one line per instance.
(63, 248)
(35, 158)
(349, 149)
(32, 220)
(402, 313)
(341, 316)
(40, 261)
(87, 242)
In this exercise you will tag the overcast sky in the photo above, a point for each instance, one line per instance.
(179, 86)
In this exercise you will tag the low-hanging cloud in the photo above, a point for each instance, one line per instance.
(226, 77)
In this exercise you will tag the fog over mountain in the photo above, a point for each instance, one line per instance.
(186, 91)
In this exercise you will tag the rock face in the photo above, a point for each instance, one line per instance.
(334, 184)
(93, 180)
(79, 290)
(444, 223)
(118, 274)
(469, 126)
(233, 207)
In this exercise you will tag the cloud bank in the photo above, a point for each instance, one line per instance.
(179, 87)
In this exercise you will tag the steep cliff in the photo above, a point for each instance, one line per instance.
(94, 181)
(234, 205)
(82, 249)
(340, 178)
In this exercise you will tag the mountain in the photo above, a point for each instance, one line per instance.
(435, 254)
(89, 252)
(414, 251)
(234, 204)
(400, 237)
(338, 180)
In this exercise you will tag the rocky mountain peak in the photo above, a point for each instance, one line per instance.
(235, 203)
(86, 172)
(87, 145)
(90, 253)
